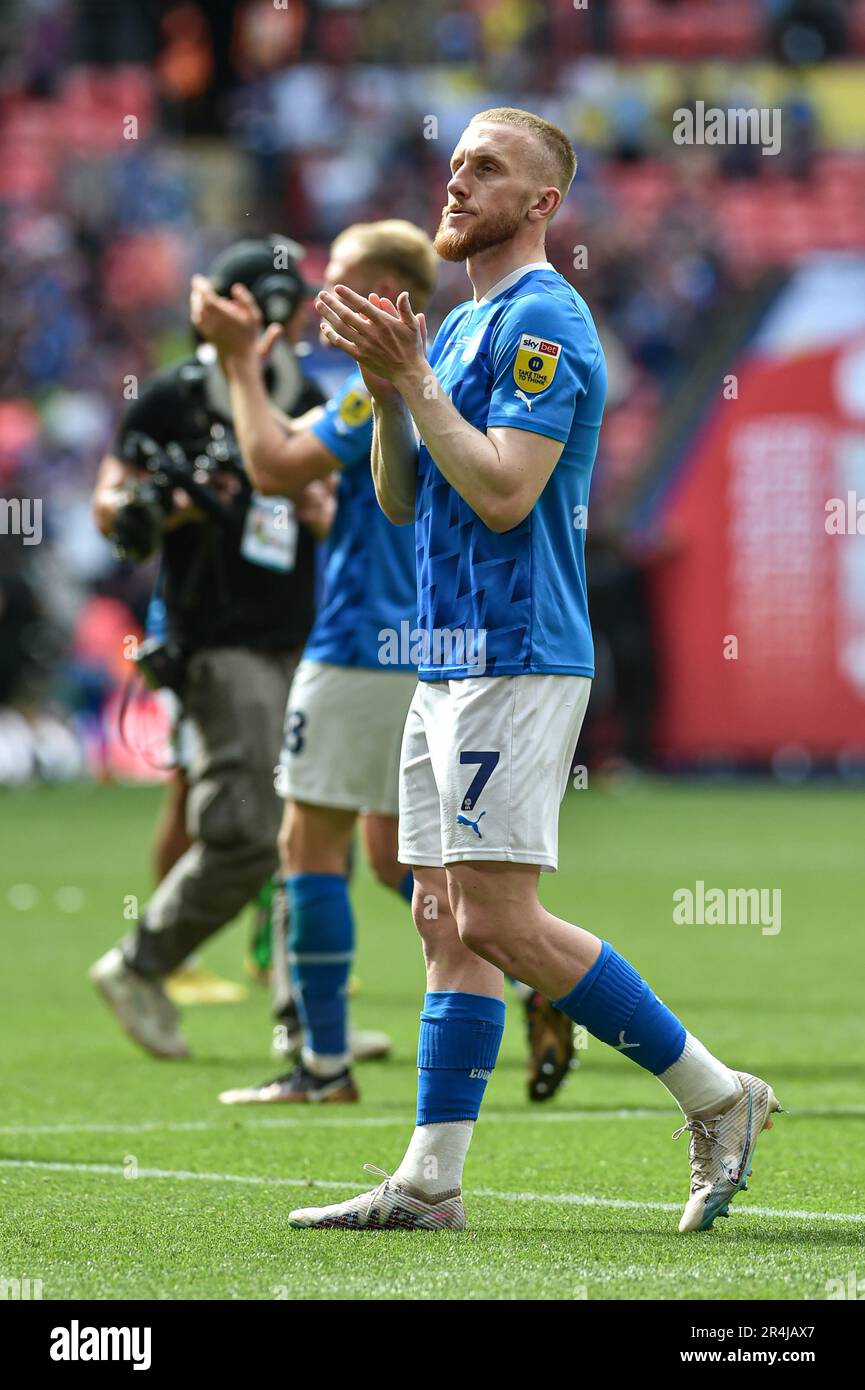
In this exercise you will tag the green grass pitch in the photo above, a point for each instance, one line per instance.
(576, 1199)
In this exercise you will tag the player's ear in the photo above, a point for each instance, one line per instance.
(546, 203)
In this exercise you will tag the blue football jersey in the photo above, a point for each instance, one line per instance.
(369, 586)
(526, 355)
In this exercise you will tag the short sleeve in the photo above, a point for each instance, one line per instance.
(543, 353)
(345, 428)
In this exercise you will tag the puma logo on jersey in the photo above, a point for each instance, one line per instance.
(464, 820)
(523, 397)
(621, 1045)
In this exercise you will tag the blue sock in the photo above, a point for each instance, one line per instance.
(406, 888)
(458, 1044)
(616, 1005)
(320, 950)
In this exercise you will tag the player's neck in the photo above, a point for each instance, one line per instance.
(489, 267)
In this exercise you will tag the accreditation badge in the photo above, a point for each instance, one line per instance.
(270, 533)
(535, 363)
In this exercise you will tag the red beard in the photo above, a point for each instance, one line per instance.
(481, 234)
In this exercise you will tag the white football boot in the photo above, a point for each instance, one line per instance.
(141, 1006)
(393, 1205)
(721, 1150)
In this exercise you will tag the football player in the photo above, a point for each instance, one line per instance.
(487, 445)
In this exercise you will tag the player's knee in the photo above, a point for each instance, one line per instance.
(476, 928)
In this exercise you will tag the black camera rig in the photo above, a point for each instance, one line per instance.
(140, 521)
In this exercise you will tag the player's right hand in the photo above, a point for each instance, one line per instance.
(378, 386)
(232, 325)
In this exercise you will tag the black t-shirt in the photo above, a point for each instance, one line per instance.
(215, 596)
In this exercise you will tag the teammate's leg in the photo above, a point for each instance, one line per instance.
(380, 834)
(314, 849)
(313, 846)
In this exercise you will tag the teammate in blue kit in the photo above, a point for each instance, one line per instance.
(351, 691)
(488, 446)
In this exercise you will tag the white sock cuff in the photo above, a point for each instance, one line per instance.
(699, 1082)
(324, 1063)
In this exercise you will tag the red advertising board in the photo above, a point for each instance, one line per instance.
(760, 608)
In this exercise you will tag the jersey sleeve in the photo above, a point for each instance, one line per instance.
(345, 428)
(543, 354)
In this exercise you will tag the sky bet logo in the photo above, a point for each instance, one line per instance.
(76, 1343)
(538, 345)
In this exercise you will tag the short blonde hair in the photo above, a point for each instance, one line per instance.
(558, 157)
(399, 247)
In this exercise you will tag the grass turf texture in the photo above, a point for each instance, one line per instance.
(787, 1007)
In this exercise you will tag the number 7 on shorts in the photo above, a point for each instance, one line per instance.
(487, 766)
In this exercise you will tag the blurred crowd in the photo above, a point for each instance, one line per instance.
(137, 140)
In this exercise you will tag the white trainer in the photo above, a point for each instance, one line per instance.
(721, 1150)
(364, 1044)
(141, 1006)
(393, 1205)
(368, 1045)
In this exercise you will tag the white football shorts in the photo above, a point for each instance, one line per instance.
(343, 730)
(485, 763)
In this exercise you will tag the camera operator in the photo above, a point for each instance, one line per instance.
(237, 580)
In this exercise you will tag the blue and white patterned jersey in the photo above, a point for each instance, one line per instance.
(525, 355)
(369, 574)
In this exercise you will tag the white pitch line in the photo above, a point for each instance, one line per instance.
(573, 1199)
(252, 1116)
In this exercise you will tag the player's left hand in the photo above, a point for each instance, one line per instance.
(386, 340)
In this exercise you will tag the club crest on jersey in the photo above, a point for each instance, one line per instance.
(354, 408)
(534, 366)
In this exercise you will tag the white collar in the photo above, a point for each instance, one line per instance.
(511, 279)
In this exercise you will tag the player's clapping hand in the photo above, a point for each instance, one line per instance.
(233, 325)
(388, 341)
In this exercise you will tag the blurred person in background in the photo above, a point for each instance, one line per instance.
(237, 583)
(347, 706)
